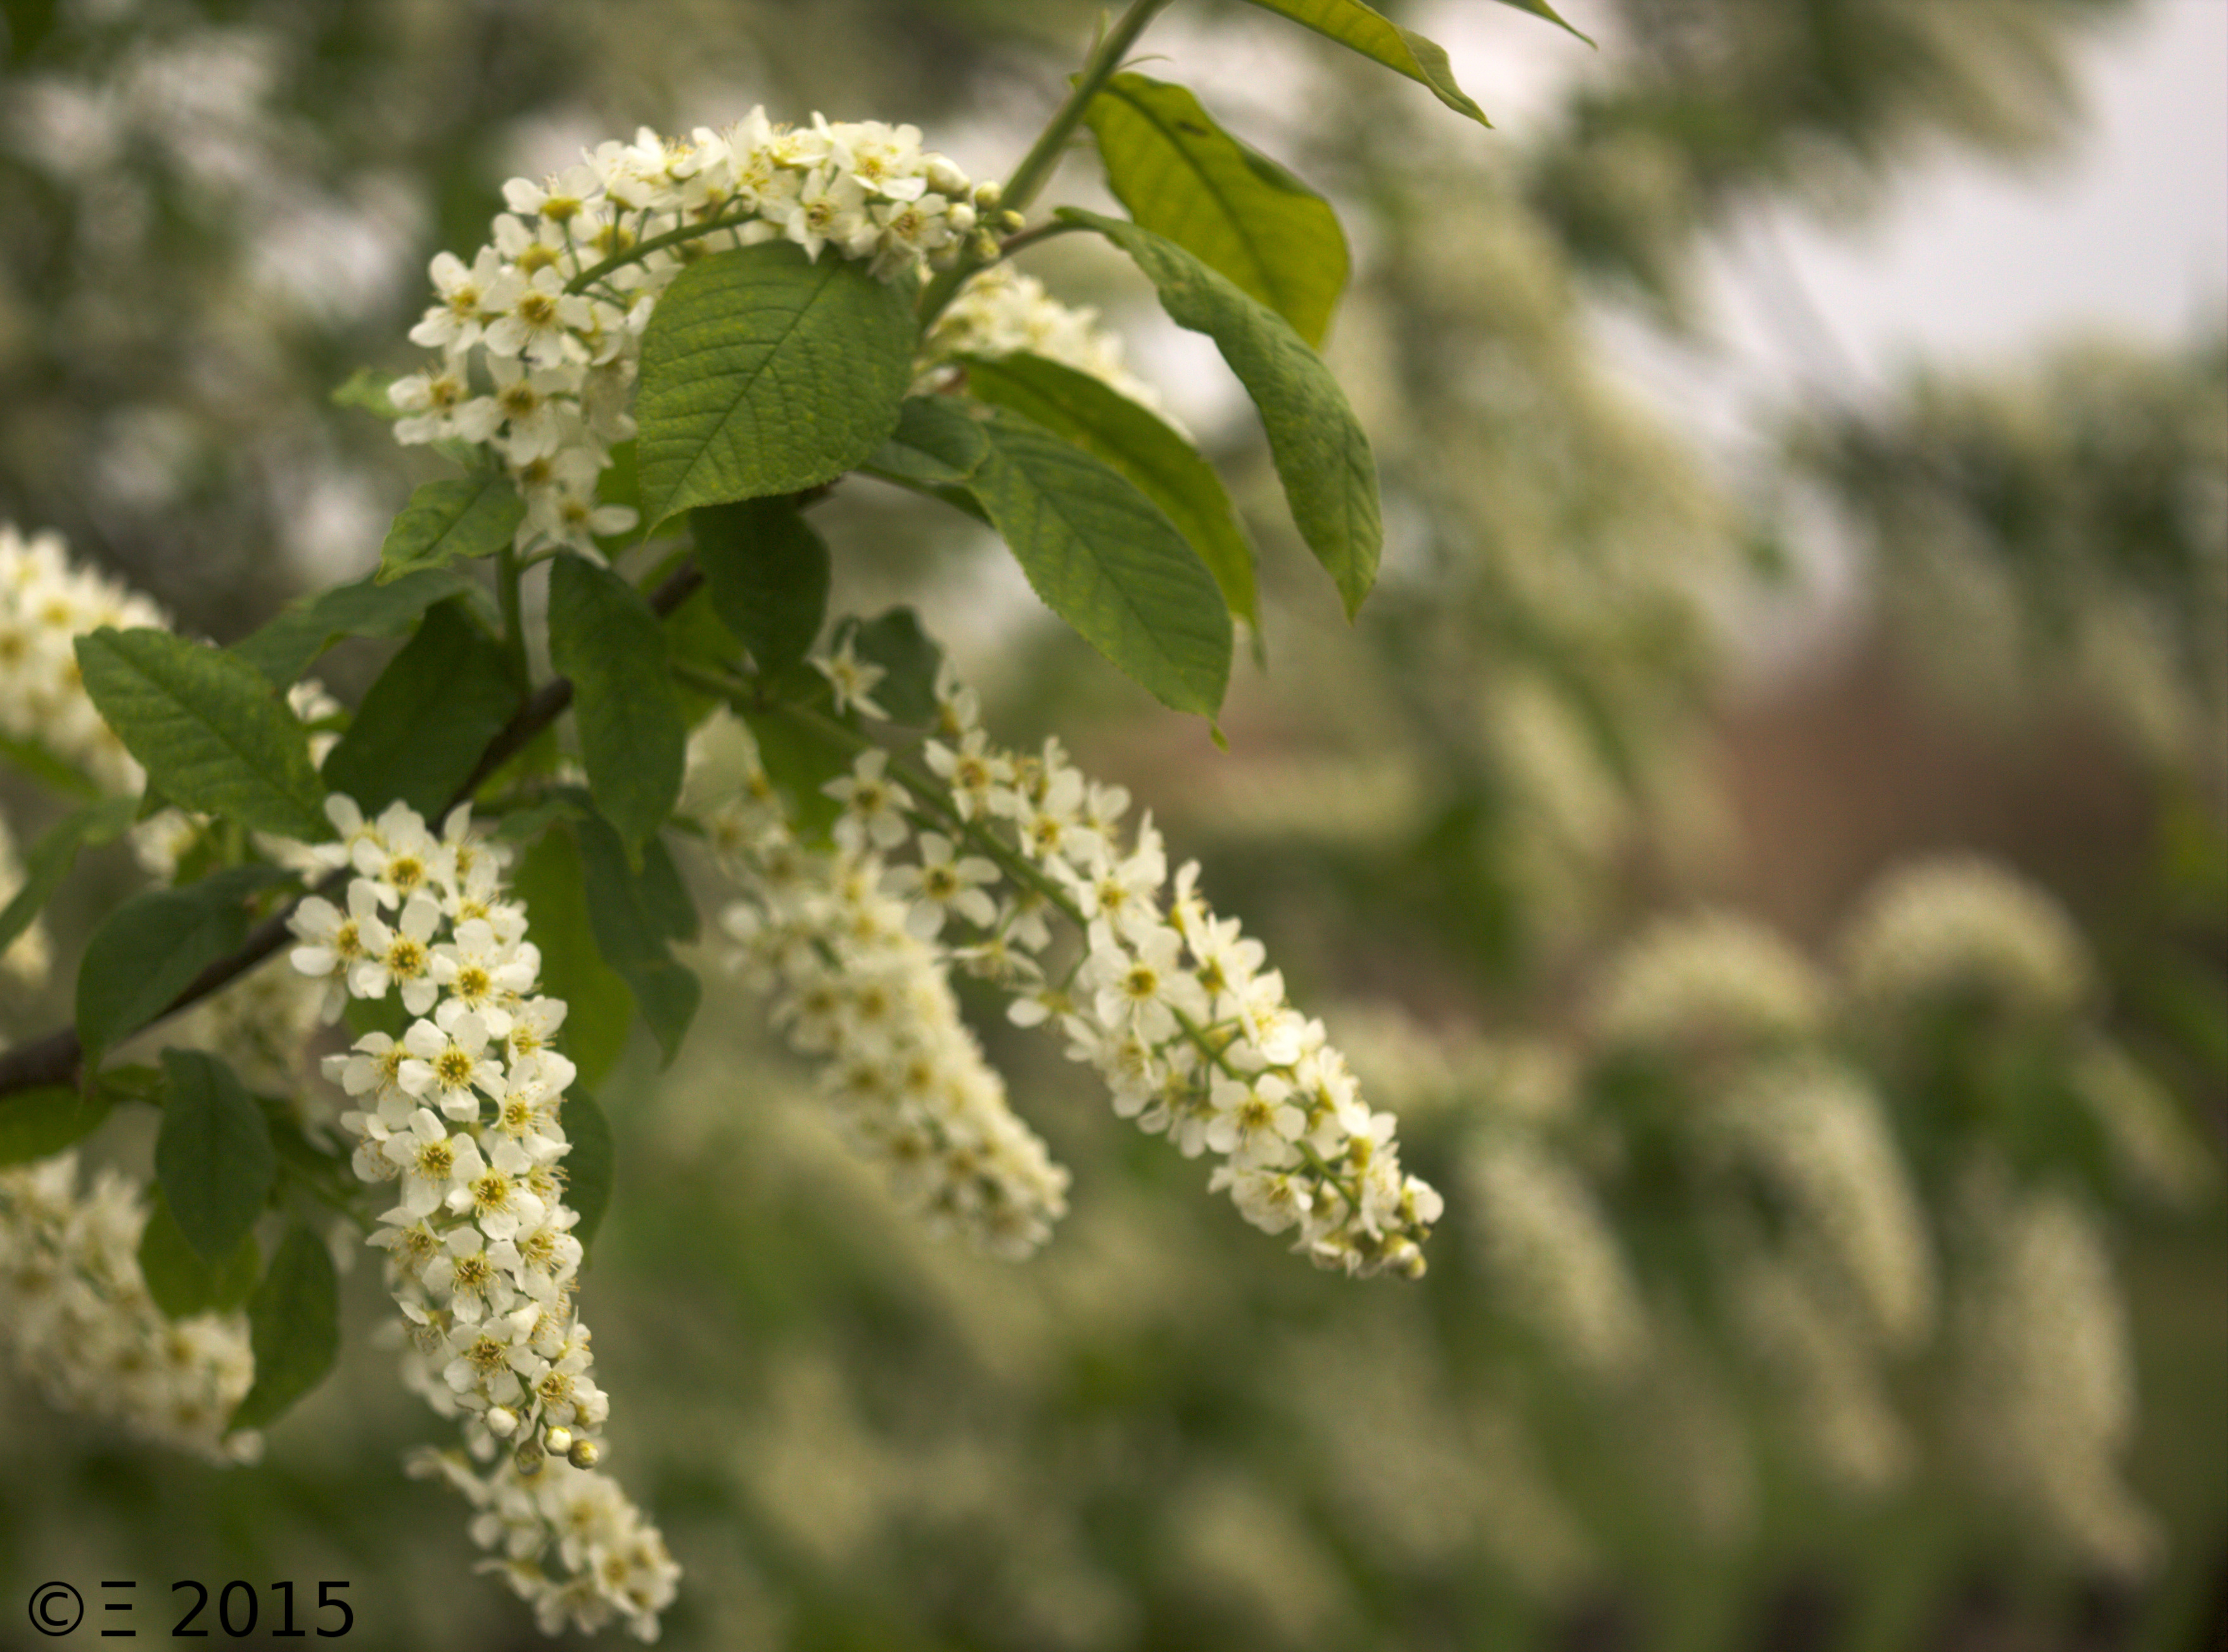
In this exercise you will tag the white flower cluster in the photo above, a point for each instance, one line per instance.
(615, 1561)
(1003, 312)
(1708, 982)
(1819, 1136)
(1829, 1382)
(861, 982)
(76, 1314)
(552, 311)
(463, 1112)
(2045, 1378)
(45, 606)
(1553, 1256)
(1169, 1001)
(1963, 928)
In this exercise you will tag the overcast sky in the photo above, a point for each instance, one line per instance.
(1974, 263)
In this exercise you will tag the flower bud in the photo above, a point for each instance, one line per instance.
(559, 1440)
(988, 194)
(583, 1454)
(502, 1421)
(961, 217)
(529, 1458)
(1011, 222)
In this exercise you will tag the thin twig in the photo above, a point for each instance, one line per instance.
(57, 1058)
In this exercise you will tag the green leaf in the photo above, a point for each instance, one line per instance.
(38, 1123)
(1106, 561)
(1323, 457)
(424, 721)
(606, 638)
(635, 915)
(768, 574)
(291, 644)
(764, 373)
(214, 1156)
(369, 389)
(1182, 177)
(695, 635)
(599, 1008)
(909, 658)
(1375, 36)
(210, 729)
(32, 758)
(589, 1167)
(799, 758)
(1164, 466)
(181, 1283)
(459, 516)
(937, 443)
(1541, 9)
(525, 825)
(50, 859)
(147, 950)
(293, 1328)
(363, 1016)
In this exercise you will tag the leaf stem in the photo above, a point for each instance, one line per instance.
(1037, 166)
(635, 253)
(58, 1058)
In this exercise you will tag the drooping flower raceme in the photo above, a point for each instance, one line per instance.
(848, 947)
(462, 1115)
(540, 333)
(1171, 1003)
(77, 1321)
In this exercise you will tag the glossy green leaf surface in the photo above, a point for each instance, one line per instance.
(605, 638)
(213, 734)
(1106, 560)
(145, 953)
(214, 1156)
(426, 717)
(637, 915)
(1321, 455)
(599, 1008)
(768, 573)
(38, 1123)
(1370, 32)
(181, 1282)
(456, 518)
(1179, 175)
(290, 644)
(766, 373)
(1165, 467)
(294, 1328)
(49, 861)
(591, 1166)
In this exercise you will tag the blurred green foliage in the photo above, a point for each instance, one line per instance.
(1449, 824)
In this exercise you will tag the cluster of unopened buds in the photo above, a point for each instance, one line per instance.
(539, 334)
(1170, 1003)
(464, 1113)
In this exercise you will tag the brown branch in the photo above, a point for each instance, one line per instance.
(57, 1058)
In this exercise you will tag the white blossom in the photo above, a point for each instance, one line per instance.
(465, 1112)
